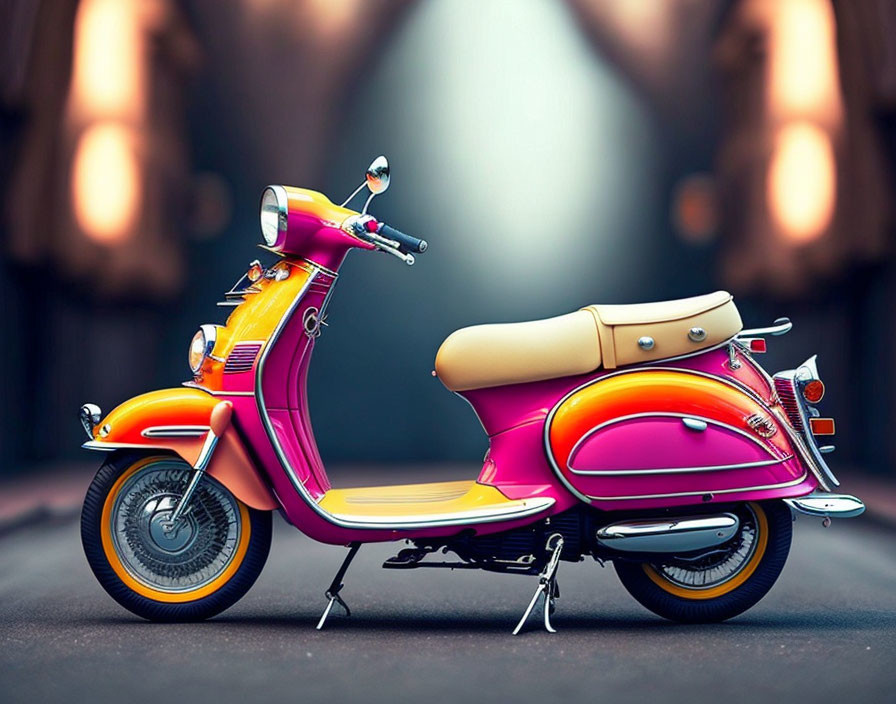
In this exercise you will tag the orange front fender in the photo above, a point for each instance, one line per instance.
(177, 420)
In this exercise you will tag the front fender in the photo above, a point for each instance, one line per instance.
(177, 420)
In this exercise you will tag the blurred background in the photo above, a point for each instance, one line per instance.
(553, 153)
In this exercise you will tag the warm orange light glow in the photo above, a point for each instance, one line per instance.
(106, 183)
(107, 78)
(694, 208)
(644, 24)
(803, 61)
(802, 182)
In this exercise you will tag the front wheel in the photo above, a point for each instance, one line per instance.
(193, 571)
(724, 582)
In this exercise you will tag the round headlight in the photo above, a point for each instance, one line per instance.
(274, 212)
(201, 346)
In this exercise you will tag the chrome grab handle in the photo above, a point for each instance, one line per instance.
(781, 326)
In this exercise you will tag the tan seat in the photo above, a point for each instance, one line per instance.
(483, 356)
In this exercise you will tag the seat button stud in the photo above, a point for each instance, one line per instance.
(646, 343)
(697, 334)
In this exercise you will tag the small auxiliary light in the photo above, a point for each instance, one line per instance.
(757, 345)
(256, 271)
(822, 426)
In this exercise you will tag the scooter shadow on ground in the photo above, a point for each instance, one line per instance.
(359, 624)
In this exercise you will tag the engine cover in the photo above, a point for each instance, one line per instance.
(660, 434)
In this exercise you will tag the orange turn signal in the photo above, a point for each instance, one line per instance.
(813, 391)
(256, 271)
(822, 426)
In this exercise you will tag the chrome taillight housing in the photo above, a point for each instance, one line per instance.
(791, 388)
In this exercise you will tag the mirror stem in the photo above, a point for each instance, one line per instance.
(354, 193)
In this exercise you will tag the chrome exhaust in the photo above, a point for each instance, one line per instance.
(669, 535)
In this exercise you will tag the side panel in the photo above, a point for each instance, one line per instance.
(176, 420)
(623, 440)
(677, 443)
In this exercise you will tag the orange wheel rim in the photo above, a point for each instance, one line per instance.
(171, 597)
(728, 586)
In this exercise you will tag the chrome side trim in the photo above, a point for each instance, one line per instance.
(665, 414)
(194, 385)
(822, 504)
(99, 446)
(174, 431)
(739, 490)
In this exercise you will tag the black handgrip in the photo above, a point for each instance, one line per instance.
(411, 244)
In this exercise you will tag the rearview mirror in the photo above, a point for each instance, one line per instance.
(378, 175)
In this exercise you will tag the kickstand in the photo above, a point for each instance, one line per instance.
(547, 585)
(336, 585)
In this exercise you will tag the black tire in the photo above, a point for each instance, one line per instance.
(649, 584)
(238, 572)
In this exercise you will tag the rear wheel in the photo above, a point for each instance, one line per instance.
(192, 571)
(724, 582)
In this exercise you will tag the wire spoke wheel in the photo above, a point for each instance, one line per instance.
(719, 566)
(720, 583)
(181, 557)
(162, 571)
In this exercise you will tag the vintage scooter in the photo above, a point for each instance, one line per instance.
(646, 435)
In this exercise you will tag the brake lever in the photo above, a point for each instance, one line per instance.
(379, 240)
(406, 258)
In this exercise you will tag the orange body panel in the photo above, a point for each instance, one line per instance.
(254, 320)
(230, 463)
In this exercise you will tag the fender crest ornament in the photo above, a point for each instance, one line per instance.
(762, 425)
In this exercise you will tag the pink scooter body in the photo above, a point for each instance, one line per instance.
(514, 417)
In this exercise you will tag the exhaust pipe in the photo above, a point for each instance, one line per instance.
(669, 535)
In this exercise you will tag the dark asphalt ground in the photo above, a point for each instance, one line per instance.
(826, 633)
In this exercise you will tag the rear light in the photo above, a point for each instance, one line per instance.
(822, 426)
(813, 391)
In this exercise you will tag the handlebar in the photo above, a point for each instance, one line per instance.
(385, 238)
(406, 242)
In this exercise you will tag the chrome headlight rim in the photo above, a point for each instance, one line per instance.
(273, 214)
(209, 334)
